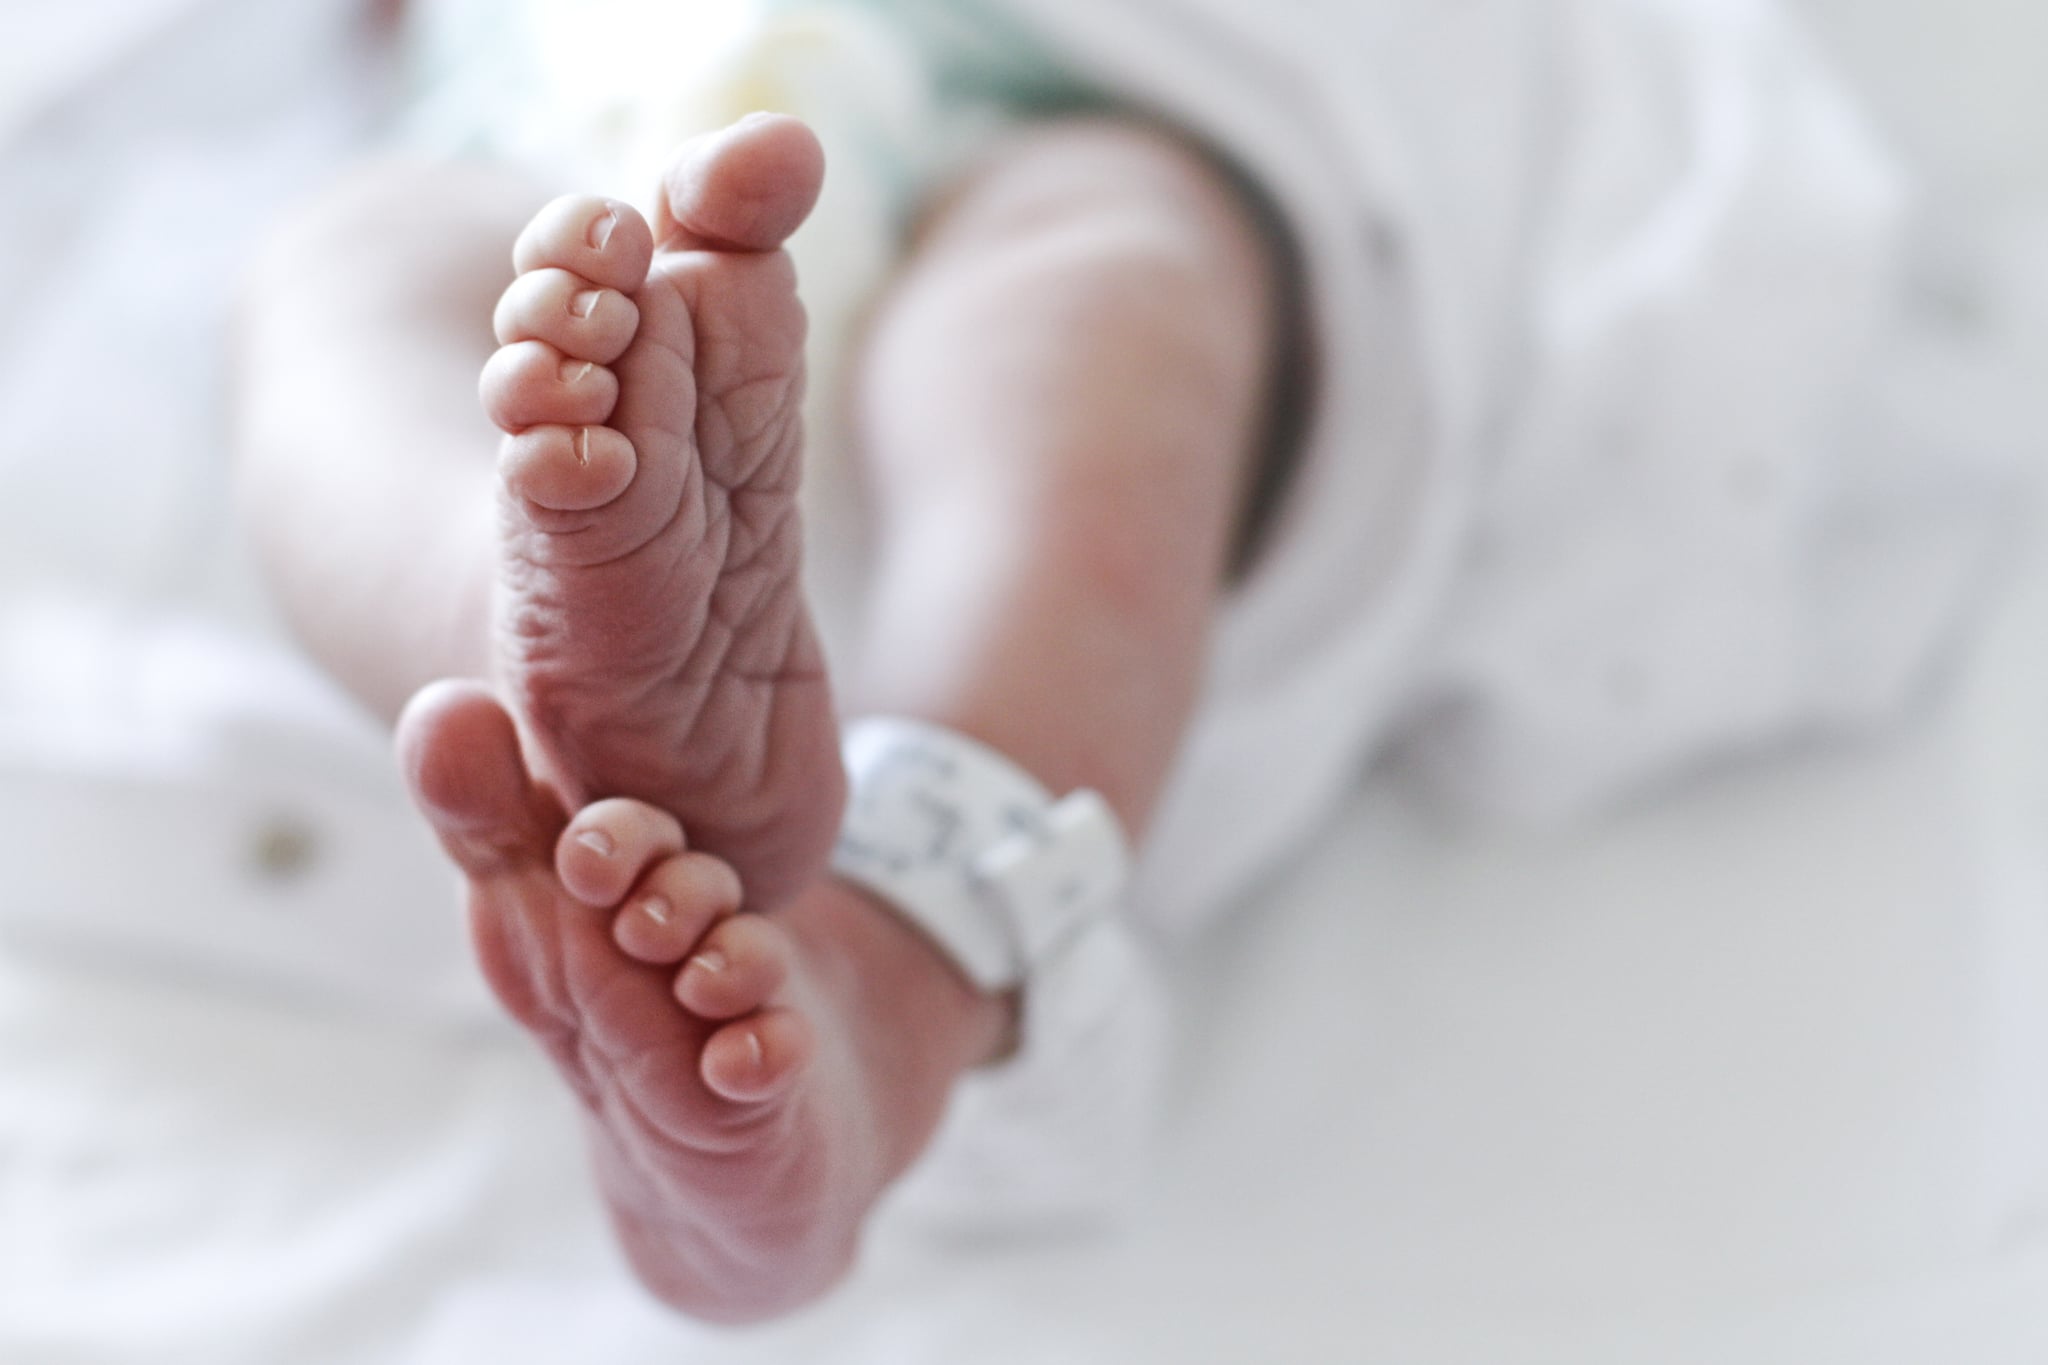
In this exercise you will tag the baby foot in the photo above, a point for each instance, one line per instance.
(651, 630)
(752, 1082)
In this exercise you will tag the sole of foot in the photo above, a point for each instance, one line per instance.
(650, 629)
(733, 1147)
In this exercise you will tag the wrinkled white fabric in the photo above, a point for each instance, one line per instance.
(1609, 475)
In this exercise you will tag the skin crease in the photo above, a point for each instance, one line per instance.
(1056, 403)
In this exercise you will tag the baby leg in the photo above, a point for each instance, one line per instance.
(1060, 403)
(363, 459)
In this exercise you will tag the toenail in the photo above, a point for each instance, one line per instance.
(657, 909)
(583, 445)
(597, 841)
(711, 961)
(574, 370)
(601, 230)
(585, 303)
(754, 1048)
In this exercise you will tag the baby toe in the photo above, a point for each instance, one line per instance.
(460, 754)
(568, 312)
(741, 962)
(609, 844)
(561, 468)
(757, 1058)
(529, 383)
(676, 902)
(746, 187)
(604, 241)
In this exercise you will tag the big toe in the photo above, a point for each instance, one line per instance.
(461, 758)
(746, 187)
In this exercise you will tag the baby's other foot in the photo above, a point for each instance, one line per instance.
(739, 1154)
(651, 632)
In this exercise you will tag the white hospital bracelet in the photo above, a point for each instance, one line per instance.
(973, 850)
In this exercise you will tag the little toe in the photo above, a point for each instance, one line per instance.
(529, 383)
(604, 241)
(608, 845)
(756, 1059)
(741, 962)
(568, 312)
(460, 754)
(561, 468)
(678, 900)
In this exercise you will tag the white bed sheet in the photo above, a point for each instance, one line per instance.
(1757, 1073)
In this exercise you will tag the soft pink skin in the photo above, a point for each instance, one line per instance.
(752, 1082)
(651, 631)
(708, 1122)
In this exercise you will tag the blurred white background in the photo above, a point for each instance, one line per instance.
(1958, 83)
